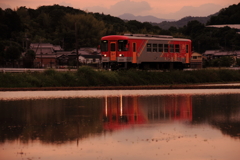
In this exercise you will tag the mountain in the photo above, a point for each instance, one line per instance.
(128, 16)
(200, 11)
(182, 22)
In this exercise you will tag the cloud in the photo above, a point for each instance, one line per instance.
(126, 6)
(65, 4)
(4, 6)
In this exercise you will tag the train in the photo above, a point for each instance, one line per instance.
(145, 51)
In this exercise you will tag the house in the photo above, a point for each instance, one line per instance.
(212, 54)
(46, 55)
(45, 61)
(86, 56)
(196, 60)
(53, 56)
(44, 48)
(234, 26)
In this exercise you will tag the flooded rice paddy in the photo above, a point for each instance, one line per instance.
(120, 124)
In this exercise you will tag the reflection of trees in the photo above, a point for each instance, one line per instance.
(228, 128)
(54, 120)
(219, 111)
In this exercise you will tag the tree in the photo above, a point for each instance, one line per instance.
(193, 28)
(28, 58)
(89, 30)
(13, 21)
(13, 53)
(2, 53)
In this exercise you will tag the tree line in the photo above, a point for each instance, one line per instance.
(61, 25)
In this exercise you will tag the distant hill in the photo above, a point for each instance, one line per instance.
(165, 23)
(152, 19)
(182, 22)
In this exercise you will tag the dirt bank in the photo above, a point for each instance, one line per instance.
(195, 86)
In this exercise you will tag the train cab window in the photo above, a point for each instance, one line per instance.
(104, 46)
(113, 46)
(171, 48)
(134, 47)
(177, 48)
(122, 45)
(160, 47)
(165, 47)
(149, 47)
(187, 49)
(154, 48)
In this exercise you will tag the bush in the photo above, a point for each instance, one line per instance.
(87, 76)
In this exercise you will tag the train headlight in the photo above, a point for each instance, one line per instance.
(104, 55)
(121, 55)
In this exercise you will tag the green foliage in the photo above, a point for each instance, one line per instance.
(88, 29)
(238, 62)
(29, 58)
(86, 76)
(230, 15)
(12, 53)
(225, 61)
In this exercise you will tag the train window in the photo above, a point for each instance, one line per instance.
(186, 48)
(122, 45)
(134, 47)
(154, 47)
(160, 47)
(177, 48)
(171, 48)
(149, 47)
(104, 46)
(165, 47)
(113, 48)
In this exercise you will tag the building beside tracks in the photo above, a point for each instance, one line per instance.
(52, 56)
(196, 60)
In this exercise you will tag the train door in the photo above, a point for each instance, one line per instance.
(113, 52)
(134, 51)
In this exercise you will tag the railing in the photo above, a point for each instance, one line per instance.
(16, 70)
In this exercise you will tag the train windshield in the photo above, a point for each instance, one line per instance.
(122, 45)
(104, 46)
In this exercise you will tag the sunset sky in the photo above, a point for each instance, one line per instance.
(167, 9)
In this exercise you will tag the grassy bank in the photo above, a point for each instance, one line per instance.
(85, 76)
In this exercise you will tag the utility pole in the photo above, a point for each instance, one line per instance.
(76, 36)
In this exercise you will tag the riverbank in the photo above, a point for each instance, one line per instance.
(149, 87)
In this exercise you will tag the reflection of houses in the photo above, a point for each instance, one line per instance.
(48, 55)
(196, 60)
(171, 108)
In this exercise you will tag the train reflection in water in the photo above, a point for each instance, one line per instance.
(121, 112)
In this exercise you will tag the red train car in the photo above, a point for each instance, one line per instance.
(145, 52)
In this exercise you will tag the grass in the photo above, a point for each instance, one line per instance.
(86, 76)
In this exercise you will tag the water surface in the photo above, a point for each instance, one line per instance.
(136, 124)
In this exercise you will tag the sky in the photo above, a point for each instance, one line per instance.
(166, 9)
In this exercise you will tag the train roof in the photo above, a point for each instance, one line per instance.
(143, 36)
